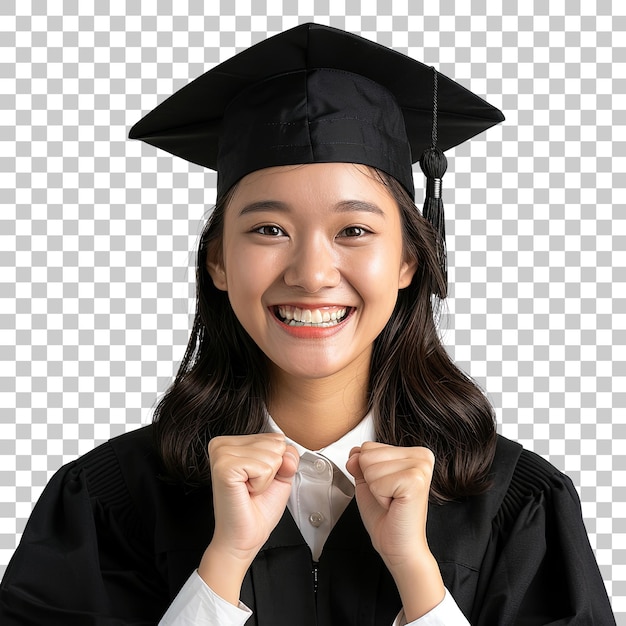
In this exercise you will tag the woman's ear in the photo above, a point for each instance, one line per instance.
(215, 267)
(407, 271)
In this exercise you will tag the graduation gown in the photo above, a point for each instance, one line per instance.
(110, 543)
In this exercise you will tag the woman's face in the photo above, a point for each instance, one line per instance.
(312, 260)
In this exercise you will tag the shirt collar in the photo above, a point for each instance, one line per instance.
(338, 451)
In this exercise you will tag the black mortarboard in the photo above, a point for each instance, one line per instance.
(318, 94)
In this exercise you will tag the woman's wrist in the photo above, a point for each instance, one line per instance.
(223, 572)
(420, 586)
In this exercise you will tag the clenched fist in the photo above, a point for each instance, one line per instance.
(251, 477)
(392, 488)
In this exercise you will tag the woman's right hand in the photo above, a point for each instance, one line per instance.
(251, 477)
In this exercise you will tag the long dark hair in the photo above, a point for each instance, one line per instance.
(417, 394)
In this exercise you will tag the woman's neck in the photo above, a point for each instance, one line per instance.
(317, 412)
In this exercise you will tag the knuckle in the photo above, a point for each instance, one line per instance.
(272, 441)
(429, 456)
(214, 444)
(420, 476)
(376, 489)
(219, 467)
(270, 469)
(424, 456)
(367, 474)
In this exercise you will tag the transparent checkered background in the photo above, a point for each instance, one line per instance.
(97, 232)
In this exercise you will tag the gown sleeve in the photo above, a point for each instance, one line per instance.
(84, 557)
(539, 569)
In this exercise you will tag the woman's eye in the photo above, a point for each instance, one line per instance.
(269, 230)
(353, 231)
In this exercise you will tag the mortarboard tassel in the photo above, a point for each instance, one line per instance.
(434, 164)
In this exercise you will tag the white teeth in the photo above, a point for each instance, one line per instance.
(295, 316)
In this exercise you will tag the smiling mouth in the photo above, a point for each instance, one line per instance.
(314, 318)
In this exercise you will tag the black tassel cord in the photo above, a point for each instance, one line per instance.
(434, 164)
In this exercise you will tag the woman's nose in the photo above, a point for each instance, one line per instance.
(313, 266)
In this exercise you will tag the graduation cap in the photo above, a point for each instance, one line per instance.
(316, 94)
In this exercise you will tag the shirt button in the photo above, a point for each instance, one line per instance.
(316, 519)
(320, 466)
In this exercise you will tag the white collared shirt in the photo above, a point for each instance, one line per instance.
(322, 489)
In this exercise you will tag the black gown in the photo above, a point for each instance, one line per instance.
(111, 543)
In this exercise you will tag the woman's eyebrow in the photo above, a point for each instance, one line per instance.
(344, 206)
(264, 205)
(359, 205)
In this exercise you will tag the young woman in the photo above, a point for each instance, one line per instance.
(318, 459)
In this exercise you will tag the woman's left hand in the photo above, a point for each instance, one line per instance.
(392, 489)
